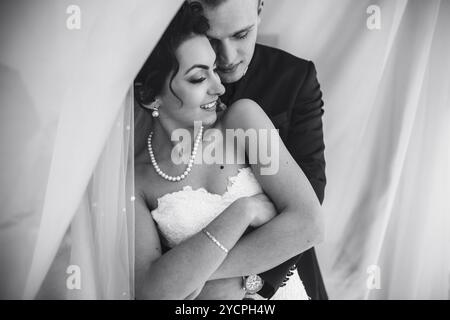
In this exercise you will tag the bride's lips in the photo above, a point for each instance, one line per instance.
(209, 106)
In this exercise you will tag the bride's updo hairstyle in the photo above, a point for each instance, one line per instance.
(150, 80)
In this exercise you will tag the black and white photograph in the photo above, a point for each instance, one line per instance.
(225, 150)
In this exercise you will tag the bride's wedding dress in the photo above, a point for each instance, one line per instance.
(183, 213)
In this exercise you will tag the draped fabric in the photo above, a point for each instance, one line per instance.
(66, 140)
(66, 137)
(386, 128)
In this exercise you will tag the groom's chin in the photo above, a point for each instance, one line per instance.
(227, 77)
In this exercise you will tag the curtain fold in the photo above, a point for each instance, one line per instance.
(70, 143)
(386, 94)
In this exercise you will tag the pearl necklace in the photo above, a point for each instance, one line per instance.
(190, 163)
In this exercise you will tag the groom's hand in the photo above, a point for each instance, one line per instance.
(222, 289)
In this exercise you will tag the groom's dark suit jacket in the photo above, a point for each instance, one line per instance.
(286, 87)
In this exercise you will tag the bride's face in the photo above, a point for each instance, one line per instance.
(195, 87)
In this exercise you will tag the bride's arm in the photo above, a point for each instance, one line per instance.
(299, 224)
(185, 268)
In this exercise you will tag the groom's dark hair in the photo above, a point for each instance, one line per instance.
(150, 80)
(216, 3)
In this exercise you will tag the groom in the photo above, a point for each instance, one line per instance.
(286, 87)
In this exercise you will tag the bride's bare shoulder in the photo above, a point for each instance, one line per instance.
(241, 112)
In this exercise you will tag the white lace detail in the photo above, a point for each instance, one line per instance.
(183, 213)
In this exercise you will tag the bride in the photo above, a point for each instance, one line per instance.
(202, 212)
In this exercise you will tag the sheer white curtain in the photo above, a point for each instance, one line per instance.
(386, 126)
(66, 140)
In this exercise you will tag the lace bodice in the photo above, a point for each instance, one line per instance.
(183, 213)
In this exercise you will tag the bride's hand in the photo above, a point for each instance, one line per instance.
(261, 208)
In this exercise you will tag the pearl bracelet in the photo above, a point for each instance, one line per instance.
(216, 242)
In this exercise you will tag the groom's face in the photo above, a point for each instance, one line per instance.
(233, 31)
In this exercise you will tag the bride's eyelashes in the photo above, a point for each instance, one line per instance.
(201, 79)
(196, 81)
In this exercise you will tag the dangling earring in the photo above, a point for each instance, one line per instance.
(155, 106)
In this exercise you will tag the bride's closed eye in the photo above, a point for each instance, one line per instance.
(196, 81)
(201, 79)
